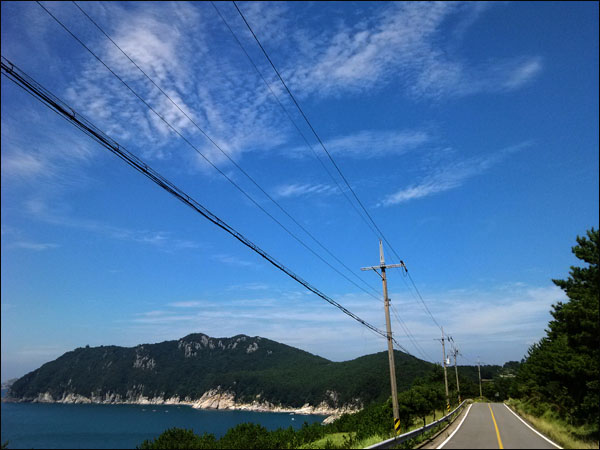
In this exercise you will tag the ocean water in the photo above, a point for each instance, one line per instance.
(52, 425)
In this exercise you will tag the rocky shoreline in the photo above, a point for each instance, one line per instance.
(213, 399)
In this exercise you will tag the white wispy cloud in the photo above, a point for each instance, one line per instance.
(506, 317)
(522, 72)
(402, 43)
(366, 144)
(176, 44)
(305, 189)
(188, 304)
(22, 165)
(442, 180)
(233, 260)
(163, 240)
(449, 175)
(250, 287)
(14, 238)
(36, 246)
(41, 150)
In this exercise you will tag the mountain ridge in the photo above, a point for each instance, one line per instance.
(212, 372)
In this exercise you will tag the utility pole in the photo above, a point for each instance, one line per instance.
(455, 351)
(445, 372)
(386, 302)
(479, 371)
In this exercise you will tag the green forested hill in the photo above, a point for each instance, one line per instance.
(247, 366)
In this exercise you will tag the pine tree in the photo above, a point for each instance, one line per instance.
(563, 368)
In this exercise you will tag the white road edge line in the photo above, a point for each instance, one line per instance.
(531, 428)
(461, 422)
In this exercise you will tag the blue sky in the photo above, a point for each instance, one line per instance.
(468, 130)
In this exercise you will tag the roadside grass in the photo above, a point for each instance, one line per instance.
(418, 423)
(367, 442)
(556, 429)
(344, 440)
(334, 440)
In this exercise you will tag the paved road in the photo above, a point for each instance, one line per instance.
(493, 425)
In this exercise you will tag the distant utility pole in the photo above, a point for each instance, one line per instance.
(445, 372)
(479, 371)
(455, 351)
(386, 302)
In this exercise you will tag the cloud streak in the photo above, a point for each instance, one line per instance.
(397, 43)
(449, 176)
(510, 316)
(35, 246)
(368, 144)
(162, 240)
(401, 43)
(303, 190)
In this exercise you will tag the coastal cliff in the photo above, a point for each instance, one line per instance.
(242, 372)
(213, 399)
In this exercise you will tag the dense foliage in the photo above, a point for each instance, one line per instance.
(561, 371)
(423, 398)
(251, 368)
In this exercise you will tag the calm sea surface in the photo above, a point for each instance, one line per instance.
(52, 425)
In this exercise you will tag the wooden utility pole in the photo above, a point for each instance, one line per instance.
(479, 371)
(455, 351)
(386, 302)
(445, 372)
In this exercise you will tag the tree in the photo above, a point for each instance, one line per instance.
(563, 368)
(179, 438)
(578, 318)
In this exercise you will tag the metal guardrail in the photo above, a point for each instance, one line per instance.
(414, 433)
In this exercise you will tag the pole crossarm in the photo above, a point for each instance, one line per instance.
(380, 270)
(384, 266)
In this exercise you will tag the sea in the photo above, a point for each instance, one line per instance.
(54, 425)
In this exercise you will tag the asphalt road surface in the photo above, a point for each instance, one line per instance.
(493, 425)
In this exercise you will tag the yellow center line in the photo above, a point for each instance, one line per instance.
(496, 426)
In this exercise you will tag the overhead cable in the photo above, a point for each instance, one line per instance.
(409, 335)
(288, 115)
(226, 154)
(28, 84)
(237, 186)
(379, 233)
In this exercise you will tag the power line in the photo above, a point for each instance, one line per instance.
(216, 145)
(172, 128)
(213, 142)
(226, 154)
(409, 335)
(28, 84)
(379, 233)
(422, 301)
(397, 346)
(288, 115)
(292, 120)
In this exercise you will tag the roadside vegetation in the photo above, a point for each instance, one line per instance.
(422, 402)
(555, 388)
(557, 385)
(547, 422)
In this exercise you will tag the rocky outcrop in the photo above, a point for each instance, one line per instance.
(142, 360)
(219, 399)
(191, 347)
(213, 399)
